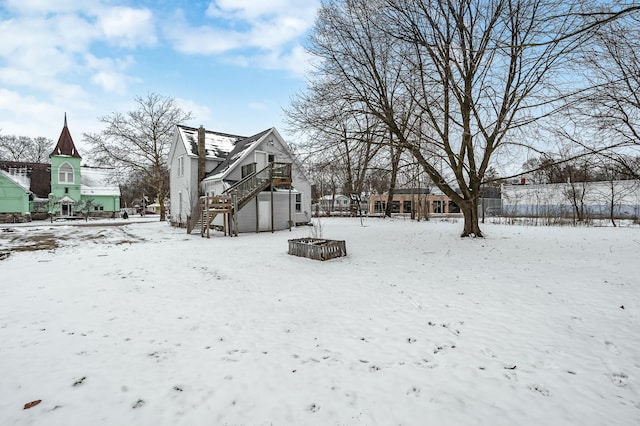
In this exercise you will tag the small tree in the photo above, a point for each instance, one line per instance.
(53, 206)
(84, 207)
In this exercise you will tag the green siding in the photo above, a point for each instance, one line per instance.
(60, 189)
(108, 203)
(13, 198)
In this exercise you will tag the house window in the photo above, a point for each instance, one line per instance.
(181, 165)
(65, 173)
(395, 206)
(298, 203)
(406, 206)
(248, 169)
(379, 206)
(272, 158)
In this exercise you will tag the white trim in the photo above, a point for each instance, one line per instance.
(66, 173)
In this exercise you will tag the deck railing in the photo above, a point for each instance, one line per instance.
(257, 181)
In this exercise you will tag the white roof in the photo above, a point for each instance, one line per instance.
(216, 144)
(95, 181)
(20, 179)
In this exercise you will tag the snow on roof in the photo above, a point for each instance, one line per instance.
(216, 144)
(20, 178)
(239, 150)
(95, 181)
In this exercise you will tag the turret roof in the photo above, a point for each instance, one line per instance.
(65, 144)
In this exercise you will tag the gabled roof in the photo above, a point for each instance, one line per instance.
(21, 181)
(217, 145)
(38, 175)
(241, 148)
(65, 144)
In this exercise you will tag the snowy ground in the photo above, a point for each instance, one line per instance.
(144, 325)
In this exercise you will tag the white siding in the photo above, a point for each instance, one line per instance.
(247, 216)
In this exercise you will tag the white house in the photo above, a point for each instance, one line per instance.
(334, 203)
(621, 197)
(227, 160)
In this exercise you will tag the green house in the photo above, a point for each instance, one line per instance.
(14, 193)
(64, 188)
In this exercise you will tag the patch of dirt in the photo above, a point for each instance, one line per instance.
(34, 239)
(44, 241)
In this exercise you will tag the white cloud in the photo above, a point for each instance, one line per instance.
(43, 7)
(108, 73)
(203, 40)
(127, 27)
(21, 105)
(58, 56)
(252, 9)
(30, 116)
(45, 45)
(249, 29)
(201, 113)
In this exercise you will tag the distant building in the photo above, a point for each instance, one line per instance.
(36, 190)
(418, 201)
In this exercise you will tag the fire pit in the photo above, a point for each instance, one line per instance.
(317, 248)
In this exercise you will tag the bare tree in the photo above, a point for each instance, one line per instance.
(40, 149)
(139, 140)
(453, 80)
(336, 134)
(612, 105)
(23, 148)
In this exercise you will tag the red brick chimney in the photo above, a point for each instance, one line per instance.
(201, 159)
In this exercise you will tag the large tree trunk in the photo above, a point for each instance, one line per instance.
(612, 206)
(163, 213)
(396, 152)
(469, 210)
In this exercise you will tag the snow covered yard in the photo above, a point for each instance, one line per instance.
(145, 325)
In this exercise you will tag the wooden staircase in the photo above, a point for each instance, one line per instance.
(234, 198)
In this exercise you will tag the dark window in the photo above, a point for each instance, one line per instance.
(272, 158)
(248, 169)
(395, 207)
(298, 202)
(66, 190)
(406, 206)
(379, 206)
(453, 207)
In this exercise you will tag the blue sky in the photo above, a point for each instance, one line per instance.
(233, 63)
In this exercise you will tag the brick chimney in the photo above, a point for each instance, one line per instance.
(201, 159)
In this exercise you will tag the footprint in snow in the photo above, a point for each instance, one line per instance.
(138, 403)
(619, 379)
(611, 347)
(415, 391)
(313, 408)
(540, 389)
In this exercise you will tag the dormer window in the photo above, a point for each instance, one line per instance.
(65, 173)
